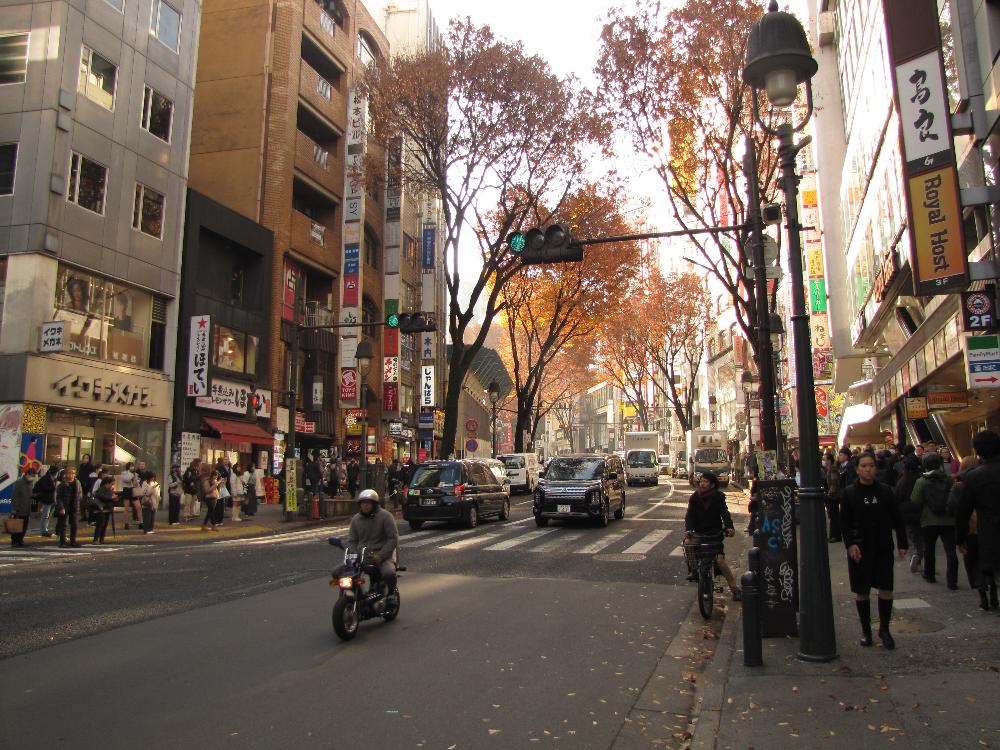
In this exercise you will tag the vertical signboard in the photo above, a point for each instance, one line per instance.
(427, 385)
(778, 574)
(201, 326)
(354, 211)
(292, 278)
(937, 250)
(427, 249)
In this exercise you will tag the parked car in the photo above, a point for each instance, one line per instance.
(663, 462)
(499, 470)
(522, 468)
(462, 491)
(584, 486)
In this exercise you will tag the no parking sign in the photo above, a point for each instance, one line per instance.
(471, 445)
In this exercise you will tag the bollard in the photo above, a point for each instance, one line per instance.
(314, 514)
(752, 648)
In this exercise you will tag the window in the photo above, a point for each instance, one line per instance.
(365, 54)
(147, 211)
(97, 78)
(13, 58)
(234, 350)
(157, 113)
(8, 162)
(165, 24)
(87, 183)
(411, 251)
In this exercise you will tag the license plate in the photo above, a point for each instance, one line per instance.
(563, 509)
(428, 501)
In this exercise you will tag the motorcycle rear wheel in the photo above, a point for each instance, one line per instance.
(391, 606)
(345, 618)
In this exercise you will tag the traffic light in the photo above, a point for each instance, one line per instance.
(254, 402)
(418, 322)
(552, 245)
(392, 320)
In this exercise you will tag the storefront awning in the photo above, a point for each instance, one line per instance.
(854, 416)
(240, 431)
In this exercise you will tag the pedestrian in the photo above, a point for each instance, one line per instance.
(86, 472)
(353, 475)
(225, 490)
(105, 497)
(834, 491)
(869, 515)
(130, 503)
(313, 478)
(259, 492)
(175, 489)
(930, 494)
(909, 471)
(981, 495)
(211, 487)
(238, 483)
(250, 483)
(951, 463)
(45, 492)
(149, 493)
(189, 483)
(970, 550)
(707, 515)
(69, 496)
(20, 504)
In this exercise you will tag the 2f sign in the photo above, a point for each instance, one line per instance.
(979, 310)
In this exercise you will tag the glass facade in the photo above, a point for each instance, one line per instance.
(110, 441)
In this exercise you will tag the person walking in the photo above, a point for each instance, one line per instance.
(353, 475)
(189, 483)
(930, 494)
(981, 495)
(20, 504)
(149, 494)
(970, 550)
(69, 496)
(174, 492)
(834, 490)
(45, 493)
(869, 516)
(130, 503)
(908, 468)
(225, 490)
(211, 486)
(238, 483)
(105, 497)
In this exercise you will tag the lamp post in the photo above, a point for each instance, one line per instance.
(494, 392)
(777, 329)
(748, 380)
(778, 60)
(364, 356)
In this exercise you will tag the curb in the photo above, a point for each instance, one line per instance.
(710, 697)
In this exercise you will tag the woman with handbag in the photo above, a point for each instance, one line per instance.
(104, 496)
(211, 485)
(150, 499)
(69, 495)
(20, 507)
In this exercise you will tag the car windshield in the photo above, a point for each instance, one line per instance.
(641, 459)
(711, 456)
(513, 462)
(435, 476)
(664, 459)
(568, 469)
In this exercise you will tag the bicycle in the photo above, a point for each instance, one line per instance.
(701, 556)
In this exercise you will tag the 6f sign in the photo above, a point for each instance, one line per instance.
(979, 311)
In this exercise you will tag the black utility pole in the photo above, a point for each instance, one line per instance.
(765, 353)
(293, 389)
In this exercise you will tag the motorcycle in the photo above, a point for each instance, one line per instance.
(363, 593)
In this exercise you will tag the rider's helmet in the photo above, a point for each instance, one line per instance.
(372, 497)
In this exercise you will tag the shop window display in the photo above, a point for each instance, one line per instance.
(234, 350)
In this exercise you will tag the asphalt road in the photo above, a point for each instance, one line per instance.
(508, 636)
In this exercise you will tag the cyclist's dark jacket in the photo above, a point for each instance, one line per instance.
(708, 514)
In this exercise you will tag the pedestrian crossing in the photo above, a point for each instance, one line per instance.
(15, 557)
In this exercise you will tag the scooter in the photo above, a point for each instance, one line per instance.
(363, 593)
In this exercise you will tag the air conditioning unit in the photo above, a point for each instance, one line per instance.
(826, 28)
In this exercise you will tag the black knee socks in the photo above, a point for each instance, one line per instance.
(884, 613)
(865, 615)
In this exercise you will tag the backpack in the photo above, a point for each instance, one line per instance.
(954, 499)
(937, 489)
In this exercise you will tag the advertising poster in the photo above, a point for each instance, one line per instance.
(10, 451)
(291, 486)
(351, 285)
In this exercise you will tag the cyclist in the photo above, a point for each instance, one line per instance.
(708, 515)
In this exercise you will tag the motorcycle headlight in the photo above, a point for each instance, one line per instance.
(346, 582)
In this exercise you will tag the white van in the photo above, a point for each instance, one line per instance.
(522, 468)
(641, 467)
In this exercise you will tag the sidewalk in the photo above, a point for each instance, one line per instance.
(268, 520)
(940, 688)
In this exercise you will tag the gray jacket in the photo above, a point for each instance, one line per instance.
(20, 501)
(378, 533)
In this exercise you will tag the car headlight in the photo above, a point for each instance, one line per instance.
(594, 497)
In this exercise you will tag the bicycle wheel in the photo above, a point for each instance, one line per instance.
(706, 593)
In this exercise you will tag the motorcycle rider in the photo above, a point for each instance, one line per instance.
(375, 528)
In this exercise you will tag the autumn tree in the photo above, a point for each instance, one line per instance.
(549, 307)
(494, 135)
(678, 308)
(672, 80)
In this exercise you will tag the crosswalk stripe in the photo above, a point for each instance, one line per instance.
(677, 551)
(437, 538)
(649, 541)
(601, 543)
(555, 543)
(519, 540)
(470, 542)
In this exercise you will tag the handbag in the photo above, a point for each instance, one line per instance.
(223, 491)
(13, 525)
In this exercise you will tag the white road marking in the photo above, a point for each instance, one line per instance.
(438, 537)
(519, 540)
(651, 508)
(289, 537)
(647, 543)
(470, 542)
(677, 551)
(605, 541)
(556, 543)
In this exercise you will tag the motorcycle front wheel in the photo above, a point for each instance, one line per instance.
(391, 606)
(345, 618)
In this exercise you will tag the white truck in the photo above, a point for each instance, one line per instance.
(641, 457)
(706, 451)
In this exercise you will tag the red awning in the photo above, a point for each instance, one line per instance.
(241, 431)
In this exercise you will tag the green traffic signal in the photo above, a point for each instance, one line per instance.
(392, 320)
(516, 242)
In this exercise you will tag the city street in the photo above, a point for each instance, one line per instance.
(508, 634)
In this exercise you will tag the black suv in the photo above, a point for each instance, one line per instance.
(590, 486)
(458, 491)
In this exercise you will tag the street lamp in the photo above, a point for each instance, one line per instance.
(494, 391)
(778, 60)
(364, 356)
